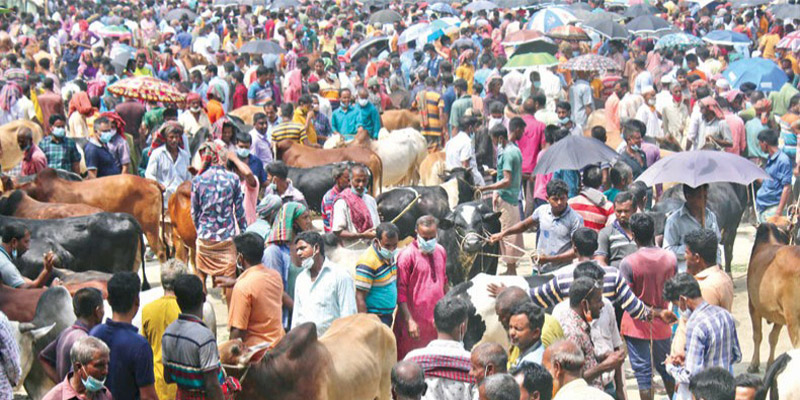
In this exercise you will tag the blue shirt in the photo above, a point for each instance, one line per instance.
(779, 169)
(131, 363)
(279, 257)
(344, 121)
(555, 232)
(449, 97)
(369, 119)
(433, 66)
(184, 39)
(258, 169)
(572, 179)
(678, 225)
(101, 159)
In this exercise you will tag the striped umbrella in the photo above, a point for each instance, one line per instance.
(790, 41)
(148, 89)
(530, 60)
(549, 18)
(113, 31)
(590, 62)
(680, 41)
(568, 32)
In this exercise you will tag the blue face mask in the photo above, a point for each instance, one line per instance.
(106, 136)
(358, 193)
(242, 153)
(92, 384)
(14, 254)
(537, 85)
(635, 148)
(426, 246)
(563, 121)
(385, 253)
(59, 132)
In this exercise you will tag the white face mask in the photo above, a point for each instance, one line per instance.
(363, 102)
(308, 262)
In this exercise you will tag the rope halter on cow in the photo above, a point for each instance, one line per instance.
(408, 207)
(534, 254)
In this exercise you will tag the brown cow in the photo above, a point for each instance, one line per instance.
(20, 205)
(140, 197)
(11, 154)
(300, 156)
(246, 113)
(352, 361)
(773, 276)
(398, 119)
(184, 233)
(191, 60)
(432, 169)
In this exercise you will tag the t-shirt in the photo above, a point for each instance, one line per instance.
(510, 160)
(646, 271)
(379, 279)
(156, 317)
(8, 271)
(260, 94)
(100, 158)
(131, 363)
(57, 352)
(256, 305)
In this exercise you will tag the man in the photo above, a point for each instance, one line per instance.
(629, 103)
(713, 384)
(191, 358)
(486, 360)
(460, 106)
(100, 160)
(217, 211)
(169, 163)
(499, 387)
(556, 221)
(33, 159)
(281, 185)
(355, 212)
(431, 113)
(509, 299)
(132, 112)
(263, 89)
(446, 361)
(615, 241)
(421, 283)
(535, 383)
(142, 69)
(50, 102)
(376, 275)
(686, 220)
(213, 80)
(341, 181)
(564, 360)
(612, 107)
(590, 203)
(90, 369)
(408, 381)
(712, 133)
(87, 304)
(580, 98)
(711, 339)
(675, 116)
(632, 154)
(505, 198)
(244, 142)
(775, 193)
(16, 241)
(747, 386)
(304, 115)
(646, 271)
(157, 316)
(565, 121)
(525, 331)
(289, 130)
(130, 369)
(648, 115)
(368, 117)
(255, 308)
(530, 145)
(60, 151)
(260, 139)
(345, 118)
(323, 292)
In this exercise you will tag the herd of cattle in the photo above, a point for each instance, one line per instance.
(101, 226)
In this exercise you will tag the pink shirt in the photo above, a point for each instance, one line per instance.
(540, 186)
(65, 391)
(531, 142)
(250, 201)
(612, 113)
(738, 135)
(646, 271)
(33, 161)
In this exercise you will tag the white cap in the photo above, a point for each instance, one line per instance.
(723, 83)
(648, 89)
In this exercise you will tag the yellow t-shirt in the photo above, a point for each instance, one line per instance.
(300, 118)
(467, 73)
(156, 316)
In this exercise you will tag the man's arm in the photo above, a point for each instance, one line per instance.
(44, 275)
(502, 184)
(237, 333)
(785, 199)
(45, 360)
(519, 227)
(212, 386)
(148, 393)
(548, 294)
(361, 300)
(558, 258)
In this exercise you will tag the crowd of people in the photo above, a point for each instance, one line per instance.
(620, 289)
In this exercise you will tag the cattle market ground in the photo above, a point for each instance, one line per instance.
(744, 243)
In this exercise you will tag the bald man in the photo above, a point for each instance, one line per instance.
(564, 360)
(512, 296)
(487, 359)
(408, 381)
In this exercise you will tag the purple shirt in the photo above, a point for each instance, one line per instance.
(57, 352)
(216, 198)
(651, 153)
(119, 148)
(261, 147)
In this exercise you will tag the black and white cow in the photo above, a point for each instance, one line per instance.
(463, 235)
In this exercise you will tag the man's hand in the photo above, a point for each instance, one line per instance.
(676, 359)
(224, 281)
(496, 237)
(310, 114)
(368, 234)
(615, 359)
(413, 329)
(49, 261)
(665, 315)
(495, 289)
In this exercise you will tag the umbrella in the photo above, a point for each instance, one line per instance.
(767, 75)
(601, 15)
(385, 17)
(640, 10)
(511, 4)
(464, 42)
(381, 43)
(148, 89)
(262, 47)
(480, 5)
(608, 28)
(113, 31)
(539, 46)
(281, 4)
(180, 13)
(680, 41)
(647, 24)
(225, 3)
(574, 152)
(413, 33)
(787, 11)
(443, 8)
(568, 32)
(590, 62)
(727, 38)
(750, 3)
(549, 18)
(437, 28)
(530, 60)
(120, 61)
(790, 41)
(699, 167)
(580, 6)
(522, 36)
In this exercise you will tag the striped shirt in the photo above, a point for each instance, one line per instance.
(614, 244)
(592, 205)
(615, 288)
(188, 351)
(289, 131)
(379, 280)
(433, 104)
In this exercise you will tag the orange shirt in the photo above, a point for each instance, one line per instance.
(215, 111)
(256, 306)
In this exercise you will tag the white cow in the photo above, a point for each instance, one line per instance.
(26, 334)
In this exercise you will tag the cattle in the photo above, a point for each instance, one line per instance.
(184, 234)
(433, 200)
(300, 156)
(463, 235)
(105, 242)
(728, 202)
(351, 361)
(191, 60)
(246, 113)
(140, 197)
(11, 154)
(431, 169)
(399, 119)
(485, 154)
(20, 205)
(772, 277)
(314, 182)
(20, 304)
(66, 175)
(780, 380)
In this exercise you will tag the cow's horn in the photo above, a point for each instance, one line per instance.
(26, 327)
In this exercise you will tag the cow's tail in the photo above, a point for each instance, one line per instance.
(145, 283)
(161, 190)
(771, 378)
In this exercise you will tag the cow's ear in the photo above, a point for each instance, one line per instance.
(251, 353)
(491, 217)
(448, 222)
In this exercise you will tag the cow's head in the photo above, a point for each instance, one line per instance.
(234, 353)
(26, 334)
(466, 183)
(469, 224)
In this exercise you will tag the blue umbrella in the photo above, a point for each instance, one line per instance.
(443, 8)
(726, 38)
(765, 74)
(480, 5)
(549, 18)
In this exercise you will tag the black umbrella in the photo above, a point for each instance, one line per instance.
(262, 47)
(464, 43)
(647, 24)
(381, 43)
(385, 17)
(538, 46)
(180, 13)
(608, 28)
(574, 152)
(639, 10)
(120, 61)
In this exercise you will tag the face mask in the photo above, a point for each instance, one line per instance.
(106, 136)
(537, 85)
(194, 109)
(426, 246)
(687, 313)
(385, 253)
(651, 102)
(358, 193)
(576, 53)
(91, 383)
(308, 262)
(242, 153)
(563, 121)
(273, 187)
(363, 102)
(494, 121)
(25, 148)
(677, 98)
(14, 254)
(635, 148)
(59, 132)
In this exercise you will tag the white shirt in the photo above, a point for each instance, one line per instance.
(329, 297)
(191, 124)
(225, 88)
(579, 389)
(642, 80)
(325, 106)
(551, 86)
(459, 149)
(651, 120)
(168, 172)
(201, 45)
(341, 220)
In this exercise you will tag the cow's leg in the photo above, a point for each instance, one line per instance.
(728, 248)
(793, 325)
(156, 244)
(774, 334)
(180, 248)
(755, 320)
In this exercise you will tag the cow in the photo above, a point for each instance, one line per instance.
(300, 156)
(246, 113)
(11, 154)
(433, 200)
(20, 304)
(191, 60)
(463, 235)
(20, 205)
(728, 202)
(66, 175)
(314, 182)
(399, 119)
(431, 169)
(772, 277)
(351, 361)
(106, 242)
(780, 380)
(184, 234)
(140, 197)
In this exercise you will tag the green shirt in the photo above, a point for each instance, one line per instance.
(458, 109)
(510, 160)
(611, 194)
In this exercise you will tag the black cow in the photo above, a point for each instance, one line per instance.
(314, 182)
(728, 202)
(485, 155)
(433, 201)
(105, 242)
(462, 234)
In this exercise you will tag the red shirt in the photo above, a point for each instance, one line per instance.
(531, 143)
(239, 97)
(593, 206)
(646, 271)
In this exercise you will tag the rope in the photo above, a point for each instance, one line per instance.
(534, 254)
(408, 207)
